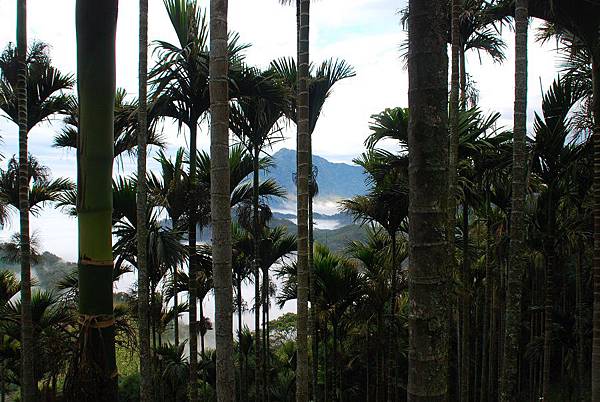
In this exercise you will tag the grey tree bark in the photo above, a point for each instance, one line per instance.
(302, 159)
(508, 391)
(428, 211)
(146, 383)
(28, 386)
(220, 199)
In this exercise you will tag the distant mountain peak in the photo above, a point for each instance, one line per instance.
(336, 180)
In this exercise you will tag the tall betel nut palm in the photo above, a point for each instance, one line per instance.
(428, 187)
(93, 372)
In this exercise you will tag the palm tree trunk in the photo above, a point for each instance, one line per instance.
(260, 391)
(28, 386)
(175, 305)
(484, 393)
(512, 332)
(493, 341)
(453, 156)
(581, 374)
(380, 391)
(325, 366)
(242, 387)
(265, 299)
(336, 372)
(391, 363)
(313, 323)
(596, 261)
(548, 295)
(220, 199)
(428, 213)
(465, 358)
(193, 272)
(202, 324)
(93, 375)
(463, 77)
(146, 382)
(302, 151)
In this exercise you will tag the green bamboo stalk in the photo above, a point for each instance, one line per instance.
(94, 373)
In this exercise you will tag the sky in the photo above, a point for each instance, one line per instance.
(366, 33)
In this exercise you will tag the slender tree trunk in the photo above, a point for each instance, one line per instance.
(428, 169)
(258, 353)
(176, 305)
(28, 386)
(390, 338)
(336, 372)
(3, 382)
(483, 395)
(242, 387)
(302, 151)
(220, 199)
(581, 374)
(93, 374)
(193, 272)
(548, 293)
(325, 366)
(453, 160)
(463, 77)
(494, 340)
(313, 320)
(146, 382)
(380, 391)
(512, 332)
(465, 358)
(203, 328)
(596, 261)
(265, 298)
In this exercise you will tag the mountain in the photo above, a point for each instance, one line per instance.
(47, 268)
(336, 180)
(336, 239)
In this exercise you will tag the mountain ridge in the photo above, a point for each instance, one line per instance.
(336, 180)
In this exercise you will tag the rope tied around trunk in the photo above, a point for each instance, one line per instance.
(96, 321)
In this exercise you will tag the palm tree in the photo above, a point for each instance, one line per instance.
(45, 85)
(553, 161)
(146, 391)
(182, 78)
(427, 133)
(254, 121)
(338, 287)
(28, 90)
(517, 235)
(42, 189)
(453, 150)
(169, 191)
(181, 81)
(220, 190)
(50, 322)
(320, 86)
(303, 172)
(125, 127)
(386, 204)
(92, 375)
